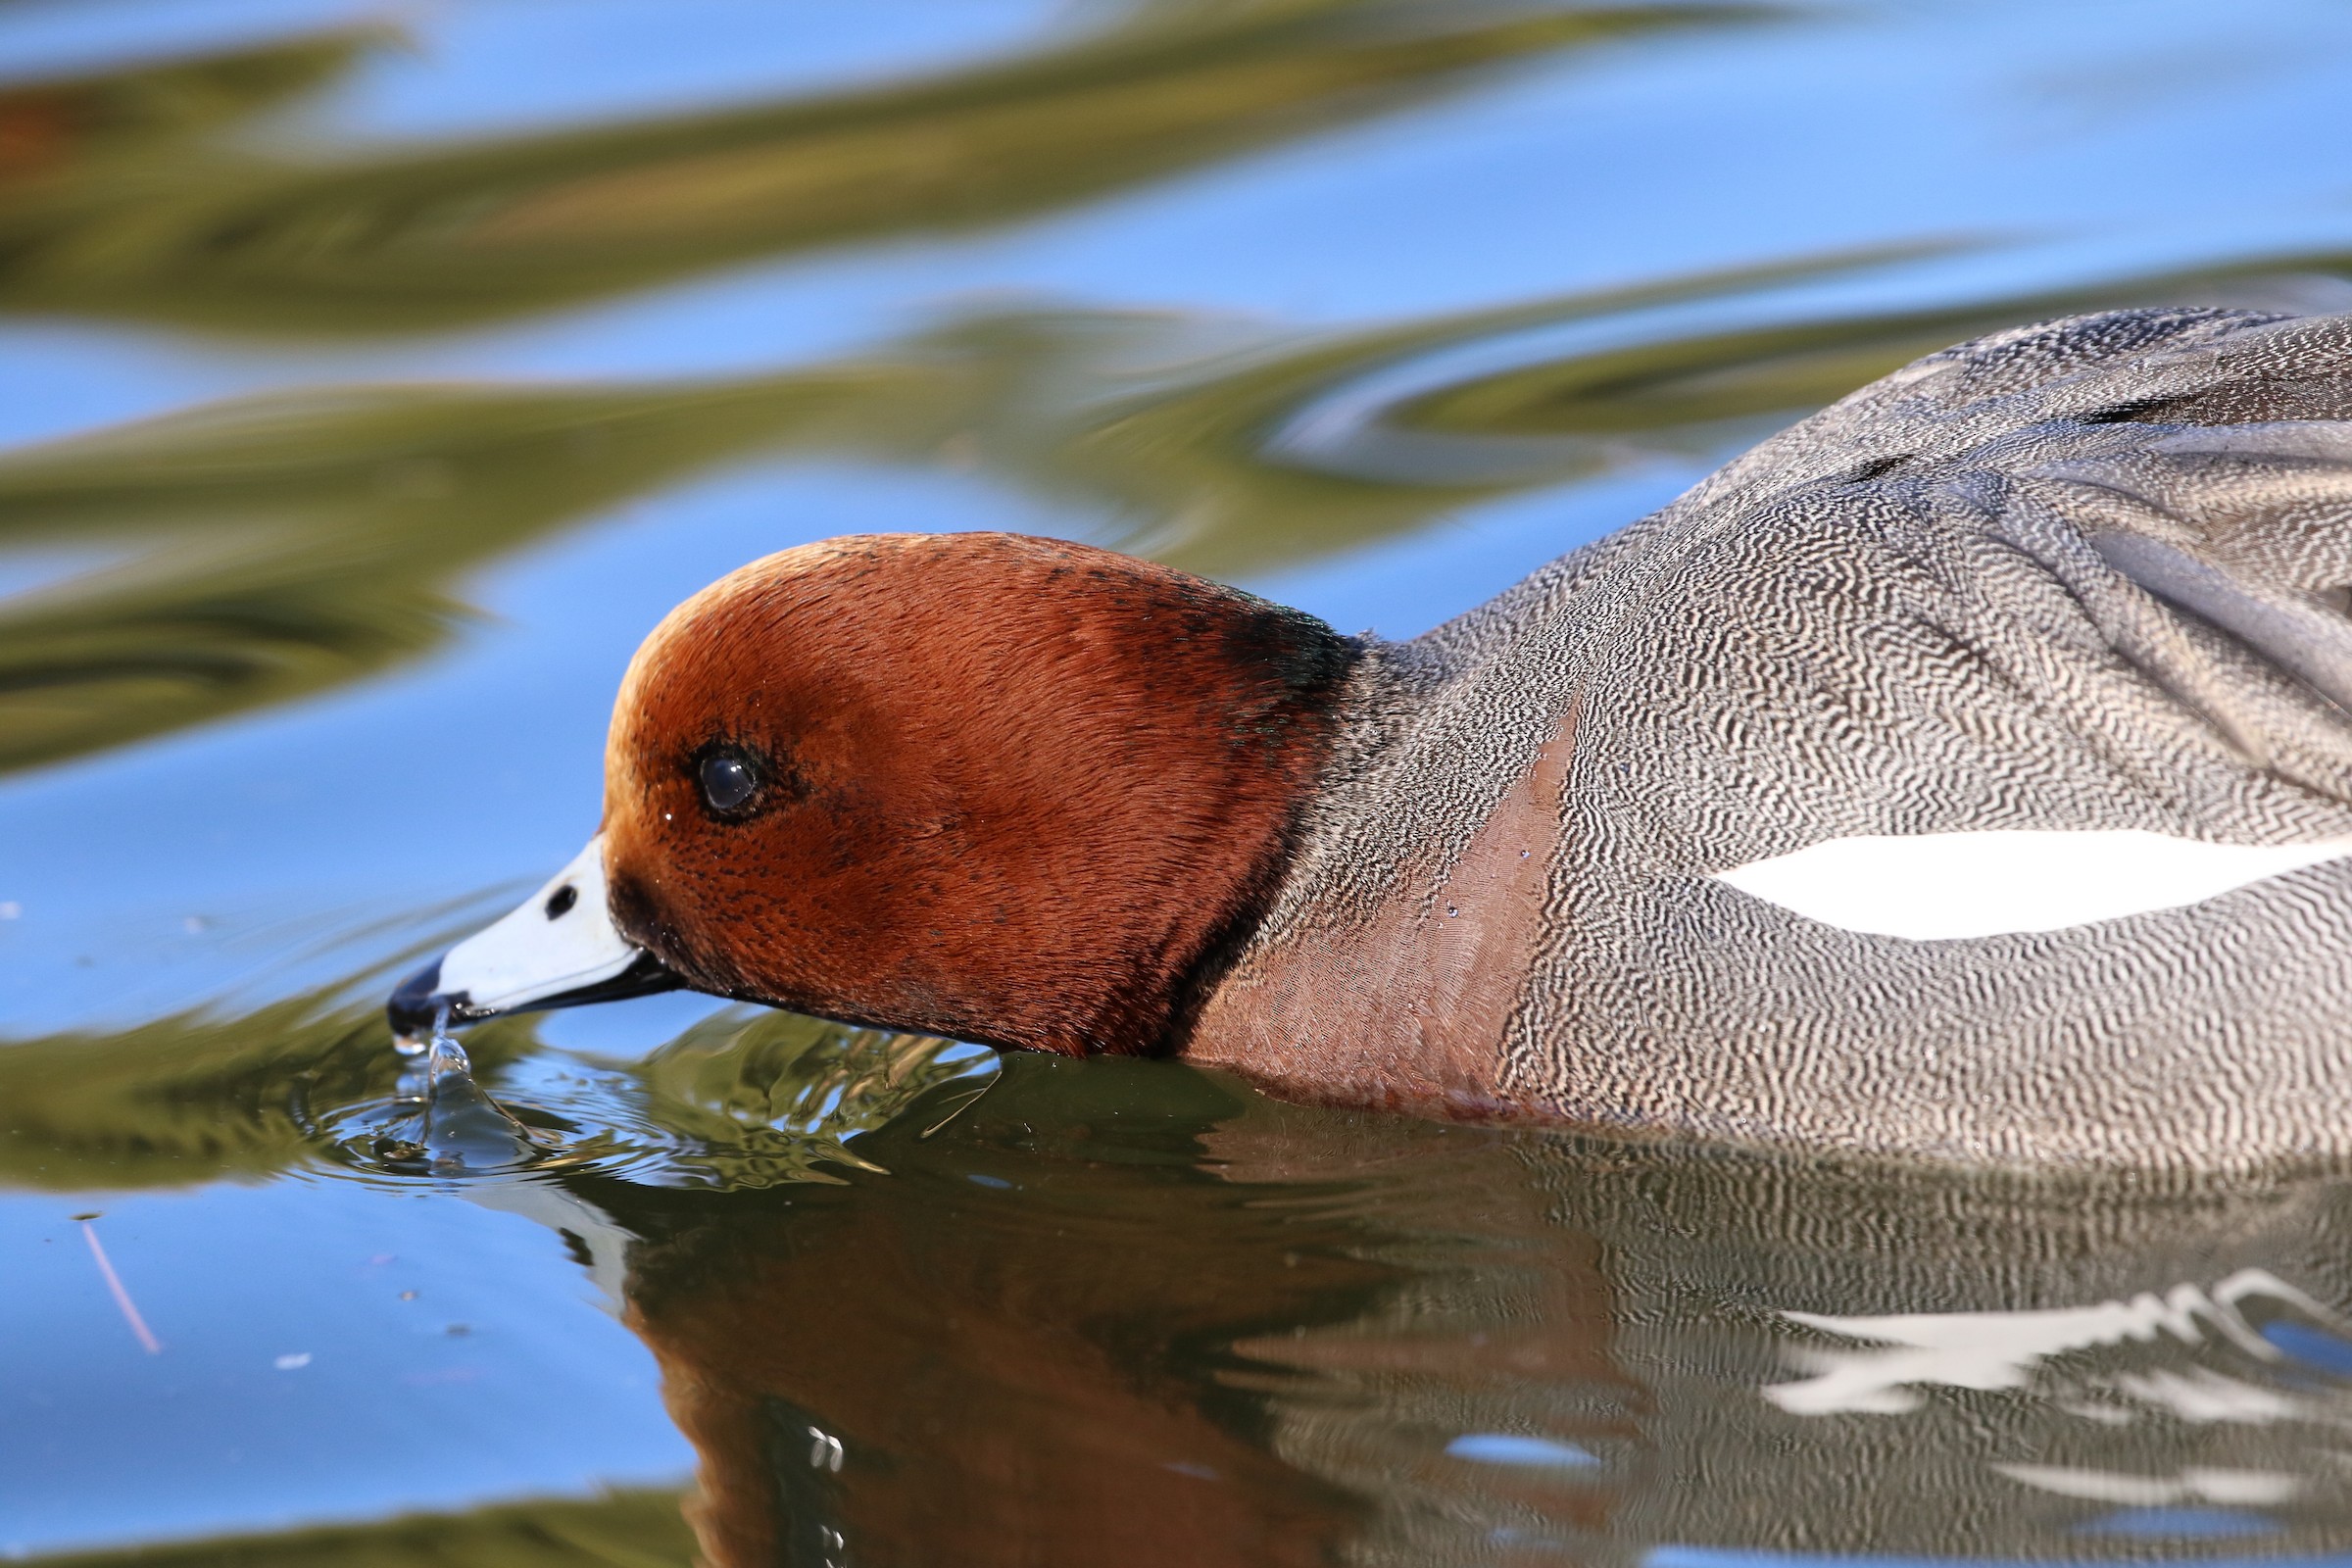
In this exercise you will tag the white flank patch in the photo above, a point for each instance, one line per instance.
(1935, 886)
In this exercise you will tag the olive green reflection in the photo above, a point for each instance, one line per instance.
(749, 1098)
(260, 550)
(1704, 378)
(198, 1096)
(247, 554)
(250, 553)
(48, 126)
(117, 200)
(745, 1098)
(632, 1529)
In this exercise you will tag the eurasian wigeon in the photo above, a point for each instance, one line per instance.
(1965, 771)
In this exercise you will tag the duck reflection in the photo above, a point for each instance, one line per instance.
(1118, 1310)
(1115, 1312)
(1024, 1345)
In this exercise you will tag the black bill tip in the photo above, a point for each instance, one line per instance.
(415, 1000)
(419, 999)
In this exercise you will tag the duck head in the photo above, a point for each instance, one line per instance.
(1009, 790)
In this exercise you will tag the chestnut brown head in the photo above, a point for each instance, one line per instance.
(1006, 789)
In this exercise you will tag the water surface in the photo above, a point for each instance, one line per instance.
(376, 379)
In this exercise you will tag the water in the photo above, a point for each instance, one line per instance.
(441, 1123)
(376, 379)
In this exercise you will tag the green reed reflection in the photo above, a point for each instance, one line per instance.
(46, 126)
(115, 200)
(197, 1095)
(1708, 377)
(746, 1099)
(274, 547)
(264, 550)
(753, 1098)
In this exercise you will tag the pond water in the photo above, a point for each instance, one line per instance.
(376, 378)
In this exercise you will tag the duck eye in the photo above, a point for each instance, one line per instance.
(728, 781)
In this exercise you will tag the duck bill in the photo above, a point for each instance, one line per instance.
(559, 950)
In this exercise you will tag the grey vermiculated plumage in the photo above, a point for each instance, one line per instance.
(2078, 575)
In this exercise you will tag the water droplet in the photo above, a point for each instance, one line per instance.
(444, 1058)
(450, 1127)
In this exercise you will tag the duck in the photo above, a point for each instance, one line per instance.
(1963, 773)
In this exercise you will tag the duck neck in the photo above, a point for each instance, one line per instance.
(1384, 683)
(1381, 969)
(1218, 849)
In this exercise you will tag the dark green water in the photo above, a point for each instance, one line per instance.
(373, 380)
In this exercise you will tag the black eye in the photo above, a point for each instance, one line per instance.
(729, 781)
